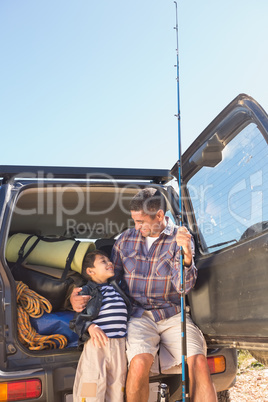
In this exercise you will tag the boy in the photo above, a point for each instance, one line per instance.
(101, 326)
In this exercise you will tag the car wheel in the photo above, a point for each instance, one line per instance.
(224, 396)
(260, 355)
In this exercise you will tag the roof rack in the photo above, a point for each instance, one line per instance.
(10, 172)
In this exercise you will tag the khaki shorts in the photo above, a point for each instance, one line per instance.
(162, 339)
(101, 372)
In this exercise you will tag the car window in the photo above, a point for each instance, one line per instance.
(230, 201)
(170, 215)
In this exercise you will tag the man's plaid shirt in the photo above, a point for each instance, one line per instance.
(153, 277)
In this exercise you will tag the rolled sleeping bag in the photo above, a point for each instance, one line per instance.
(48, 252)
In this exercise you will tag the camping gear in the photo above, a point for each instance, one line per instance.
(51, 252)
(56, 323)
(55, 284)
(31, 304)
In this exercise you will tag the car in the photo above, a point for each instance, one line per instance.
(45, 212)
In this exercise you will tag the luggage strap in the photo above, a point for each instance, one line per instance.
(69, 260)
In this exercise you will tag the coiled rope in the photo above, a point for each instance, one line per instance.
(31, 304)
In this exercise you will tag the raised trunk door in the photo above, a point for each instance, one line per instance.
(225, 174)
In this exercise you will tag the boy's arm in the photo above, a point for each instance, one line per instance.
(99, 338)
(86, 329)
(80, 324)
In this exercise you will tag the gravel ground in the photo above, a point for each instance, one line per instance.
(251, 383)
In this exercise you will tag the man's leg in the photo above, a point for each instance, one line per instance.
(201, 386)
(137, 385)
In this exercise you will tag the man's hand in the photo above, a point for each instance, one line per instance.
(77, 301)
(183, 239)
(99, 338)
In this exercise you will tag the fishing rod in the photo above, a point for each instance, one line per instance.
(185, 371)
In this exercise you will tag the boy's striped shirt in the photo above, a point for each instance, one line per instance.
(112, 318)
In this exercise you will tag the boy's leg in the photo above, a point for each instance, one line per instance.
(90, 378)
(116, 371)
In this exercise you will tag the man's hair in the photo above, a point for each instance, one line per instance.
(89, 260)
(149, 200)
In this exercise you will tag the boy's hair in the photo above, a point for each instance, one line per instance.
(149, 200)
(89, 260)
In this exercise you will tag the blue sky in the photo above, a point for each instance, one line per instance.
(93, 83)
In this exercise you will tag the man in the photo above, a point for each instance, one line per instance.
(149, 257)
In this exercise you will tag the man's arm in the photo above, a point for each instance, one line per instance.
(77, 301)
(117, 260)
(184, 239)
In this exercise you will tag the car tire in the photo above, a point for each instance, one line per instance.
(224, 396)
(261, 356)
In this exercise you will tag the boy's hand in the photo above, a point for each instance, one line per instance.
(77, 301)
(99, 338)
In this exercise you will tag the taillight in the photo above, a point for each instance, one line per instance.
(216, 364)
(20, 390)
